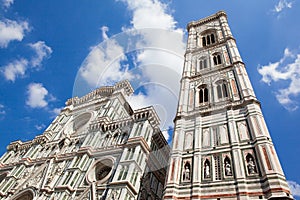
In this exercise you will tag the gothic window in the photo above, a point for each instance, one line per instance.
(201, 64)
(208, 39)
(251, 167)
(222, 89)
(212, 37)
(204, 41)
(217, 59)
(227, 166)
(206, 168)
(203, 94)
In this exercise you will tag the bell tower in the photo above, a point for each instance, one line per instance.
(221, 145)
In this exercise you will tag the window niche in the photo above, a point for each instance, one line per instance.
(187, 170)
(227, 166)
(206, 168)
(251, 166)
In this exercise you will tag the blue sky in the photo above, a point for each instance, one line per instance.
(52, 50)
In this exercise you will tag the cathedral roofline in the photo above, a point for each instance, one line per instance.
(206, 19)
(105, 91)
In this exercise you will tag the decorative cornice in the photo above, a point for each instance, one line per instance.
(206, 19)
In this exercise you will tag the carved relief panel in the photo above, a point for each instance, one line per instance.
(206, 140)
(188, 140)
(242, 128)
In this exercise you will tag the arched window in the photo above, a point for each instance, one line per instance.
(212, 37)
(203, 41)
(222, 89)
(217, 59)
(208, 39)
(201, 64)
(203, 94)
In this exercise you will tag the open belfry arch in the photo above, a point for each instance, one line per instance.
(221, 145)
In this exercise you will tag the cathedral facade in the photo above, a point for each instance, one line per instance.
(96, 148)
(221, 145)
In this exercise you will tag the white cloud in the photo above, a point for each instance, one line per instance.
(286, 69)
(104, 30)
(150, 14)
(18, 68)
(2, 111)
(7, 3)
(36, 95)
(42, 51)
(12, 30)
(166, 134)
(40, 127)
(103, 65)
(282, 4)
(14, 69)
(56, 111)
(156, 48)
(295, 188)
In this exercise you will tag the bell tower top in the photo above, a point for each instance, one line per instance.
(207, 19)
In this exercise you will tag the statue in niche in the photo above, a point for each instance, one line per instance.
(187, 172)
(250, 164)
(227, 166)
(206, 169)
